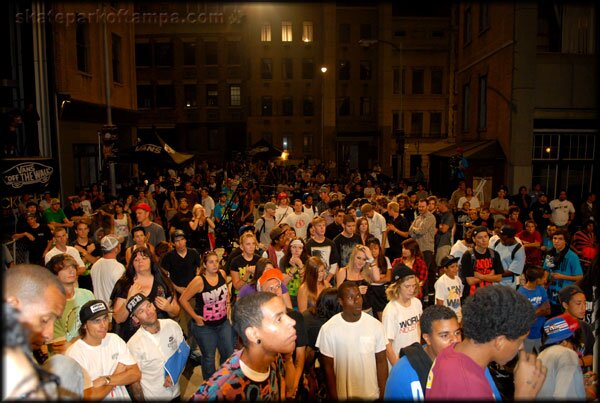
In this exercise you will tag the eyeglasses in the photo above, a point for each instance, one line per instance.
(273, 288)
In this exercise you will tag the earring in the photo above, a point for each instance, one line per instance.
(258, 341)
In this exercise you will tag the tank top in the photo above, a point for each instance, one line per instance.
(211, 303)
(366, 300)
(121, 227)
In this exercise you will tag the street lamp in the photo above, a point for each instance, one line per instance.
(323, 71)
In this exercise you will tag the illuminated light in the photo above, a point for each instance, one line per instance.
(323, 69)
(548, 150)
(284, 155)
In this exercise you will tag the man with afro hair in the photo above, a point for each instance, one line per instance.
(496, 321)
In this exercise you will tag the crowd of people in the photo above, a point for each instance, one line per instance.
(288, 283)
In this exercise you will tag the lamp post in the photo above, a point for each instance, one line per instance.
(323, 71)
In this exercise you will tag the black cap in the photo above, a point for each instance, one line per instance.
(448, 260)
(479, 229)
(400, 271)
(245, 228)
(134, 302)
(91, 310)
(508, 230)
(565, 294)
(178, 234)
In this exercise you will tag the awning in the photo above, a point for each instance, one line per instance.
(485, 149)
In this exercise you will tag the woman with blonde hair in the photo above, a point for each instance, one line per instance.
(363, 270)
(313, 283)
(402, 314)
(198, 229)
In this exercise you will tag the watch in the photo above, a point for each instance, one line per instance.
(107, 379)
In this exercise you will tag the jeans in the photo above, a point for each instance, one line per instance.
(209, 338)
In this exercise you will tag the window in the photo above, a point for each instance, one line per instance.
(190, 96)
(396, 80)
(189, 53)
(484, 16)
(467, 26)
(287, 106)
(435, 124)
(437, 80)
(266, 69)
(212, 95)
(286, 31)
(482, 104)
(145, 98)
(397, 118)
(165, 96)
(365, 106)
(82, 40)
(235, 95)
(266, 106)
(365, 69)
(163, 53)
(308, 69)
(286, 141)
(307, 31)
(466, 105)
(265, 33)
(85, 164)
(344, 33)
(416, 123)
(344, 106)
(213, 139)
(211, 53)
(417, 81)
(308, 106)
(307, 142)
(233, 53)
(344, 69)
(143, 55)
(116, 58)
(287, 72)
(365, 31)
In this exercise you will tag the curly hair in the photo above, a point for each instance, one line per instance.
(494, 311)
(433, 313)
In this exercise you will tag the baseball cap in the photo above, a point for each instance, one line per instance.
(134, 302)
(400, 271)
(567, 292)
(268, 275)
(178, 234)
(560, 328)
(276, 233)
(92, 309)
(55, 201)
(508, 230)
(245, 228)
(143, 206)
(270, 205)
(109, 242)
(448, 260)
(323, 189)
(282, 195)
(478, 230)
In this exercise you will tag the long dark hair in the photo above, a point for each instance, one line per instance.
(285, 260)
(381, 262)
(160, 275)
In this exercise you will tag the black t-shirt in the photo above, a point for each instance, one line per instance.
(239, 264)
(313, 324)
(538, 210)
(181, 270)
(326, 250)
(70, 212)
(333, 230)
(42, 235)
(395, 239)
(301, 333)
(345, 246)
(486, 263)
(181, 221)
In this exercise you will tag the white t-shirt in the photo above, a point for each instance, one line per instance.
(401, 324)
(450, 290)
(474, 202)
(105, 273)
(70, 251)
(353, 346)
(281, 213)
(298, 222)
(458, 249)
(151, 352)
(377, 226)
(102, 360)
(209, 205)
(560, 211)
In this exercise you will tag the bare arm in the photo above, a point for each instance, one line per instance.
(329, 377)
(390, 353)
(382, 372)
(302, 298)
(194, 287)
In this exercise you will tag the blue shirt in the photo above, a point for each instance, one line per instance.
(537, 297)
(403, 382)
(569, 266)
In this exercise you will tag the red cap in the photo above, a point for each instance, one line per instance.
(143, 206)
(282, 195)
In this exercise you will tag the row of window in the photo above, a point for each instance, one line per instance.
(416, 127)
(287, 32)
(287, 141)
(150, 96)
(161, 54)
(418, 77)
(82, 51)
(484, 21)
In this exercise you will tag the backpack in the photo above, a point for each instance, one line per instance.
(512, 254)
(419, 360)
